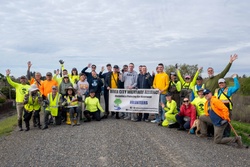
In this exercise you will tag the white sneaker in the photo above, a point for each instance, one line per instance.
(154, 121)
(127, 118)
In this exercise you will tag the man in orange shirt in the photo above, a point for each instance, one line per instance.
(161, 82)
(46, 86)
(216, 113)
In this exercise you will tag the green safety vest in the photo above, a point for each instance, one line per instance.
(53, 104)
(32, 105)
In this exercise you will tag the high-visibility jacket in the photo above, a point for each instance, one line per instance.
(195, 89)
(53, 104)
(32, 104)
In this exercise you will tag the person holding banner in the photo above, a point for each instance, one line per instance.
(144, 81)
(130, 80)
(161, 82)
(112, 82)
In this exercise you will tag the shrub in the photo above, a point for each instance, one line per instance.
(5, 91)
(245, 86)
(2, 99)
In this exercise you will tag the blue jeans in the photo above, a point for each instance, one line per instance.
(160, 116)
(180, 120)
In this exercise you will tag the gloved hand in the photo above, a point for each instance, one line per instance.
(61, 61)
(176, 66)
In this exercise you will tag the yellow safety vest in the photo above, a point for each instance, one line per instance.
(223, 98)
(195, 90)
(32, 105)
(53, 104)
(75, 103)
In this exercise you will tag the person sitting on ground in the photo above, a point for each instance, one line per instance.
(21, 89)
(187, 115)
(32, 102)
(54, 106)
(93, 107)
(217, 114)
(71, 103)
(170, 112)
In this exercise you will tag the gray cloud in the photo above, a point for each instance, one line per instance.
(119, 32)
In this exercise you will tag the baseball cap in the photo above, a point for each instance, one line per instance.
(54, 87)
(92, 91)
(187, 76)
(199, 78)
(221, 80)
(169, 94)
(65, 76)
(74, 69)
(206, 91)
(22, 77)
(172, 73)
(116, 66)
(200, 90)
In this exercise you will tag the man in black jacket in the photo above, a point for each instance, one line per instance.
(144, 81)
(113, 82)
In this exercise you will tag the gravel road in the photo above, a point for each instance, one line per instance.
(112, 142)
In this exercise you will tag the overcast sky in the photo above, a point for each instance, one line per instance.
(122, 31)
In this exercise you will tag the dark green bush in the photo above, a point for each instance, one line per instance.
(2, 100)
(5, 91)
(244, 86)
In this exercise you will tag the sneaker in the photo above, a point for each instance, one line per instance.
(154, 121)
(45, 127)
(146, 120)
(239, 141)
(127, 118)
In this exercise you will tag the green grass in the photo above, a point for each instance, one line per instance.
(243, 130)
(7, 125)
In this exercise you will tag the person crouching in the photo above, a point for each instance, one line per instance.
(71, 101)
(93, 107)
(54, 103)
(32, 102)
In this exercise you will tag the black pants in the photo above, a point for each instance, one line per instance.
(36, 118)
(92, 115)
(27, 117)
(106, 99)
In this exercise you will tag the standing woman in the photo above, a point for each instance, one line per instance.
(74, 77)
(32, 102)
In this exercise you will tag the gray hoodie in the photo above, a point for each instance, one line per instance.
(129, 79)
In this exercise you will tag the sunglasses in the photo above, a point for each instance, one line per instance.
(185, 101)
(187, 78)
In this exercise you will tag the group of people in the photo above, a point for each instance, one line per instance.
(182, 101)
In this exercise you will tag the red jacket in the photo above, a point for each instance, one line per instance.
(190, 111)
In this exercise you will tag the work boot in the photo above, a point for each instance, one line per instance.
(20, 125)
(72, 122)
(45, 127)
(78, 121)
(27, 126)
(239, 141)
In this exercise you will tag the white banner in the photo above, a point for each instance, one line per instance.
(134, 100)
